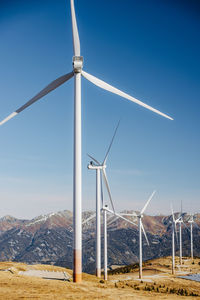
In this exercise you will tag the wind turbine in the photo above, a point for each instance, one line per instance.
(77, 72)
(100, 172)
(174, 222)
(140, 229)
(191, 221)
(180, 234)
(106, 210)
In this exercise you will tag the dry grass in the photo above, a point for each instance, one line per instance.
(14, 286)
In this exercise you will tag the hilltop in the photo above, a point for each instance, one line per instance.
(157, 283)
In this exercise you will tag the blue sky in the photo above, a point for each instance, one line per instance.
(149, 49)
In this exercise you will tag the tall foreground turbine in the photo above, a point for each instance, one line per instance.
(100, 172)
(77, 179)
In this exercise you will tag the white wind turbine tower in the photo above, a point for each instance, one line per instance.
(191, 221)
(174, 222)
(100, 172)
(140, 229)
(180, 234)
(106, 210)
(77, 177)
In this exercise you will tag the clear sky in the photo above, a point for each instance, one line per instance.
(149, 49)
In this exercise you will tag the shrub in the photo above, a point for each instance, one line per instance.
(101, 281)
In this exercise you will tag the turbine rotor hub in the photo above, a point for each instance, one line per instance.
(77, 63)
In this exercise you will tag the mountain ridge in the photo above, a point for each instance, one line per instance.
(49, 239)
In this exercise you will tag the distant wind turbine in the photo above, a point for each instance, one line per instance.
(181, 222)
(180, 234)
(77, 177)
(100, 172)
(174, 222)
(191, 221)
(106, 210)
(140, 229)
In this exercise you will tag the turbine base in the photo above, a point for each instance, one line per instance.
(98, 273)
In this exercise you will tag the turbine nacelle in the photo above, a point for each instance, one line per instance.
(77, 64)
(191, 221)
(92, 166)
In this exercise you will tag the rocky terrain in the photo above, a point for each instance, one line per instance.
(47, 239)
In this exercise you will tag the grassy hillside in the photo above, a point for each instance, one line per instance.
(157, 283)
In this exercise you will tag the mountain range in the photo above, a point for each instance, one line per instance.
(48, 239)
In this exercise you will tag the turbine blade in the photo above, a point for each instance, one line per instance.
(106, 156)
(52, 86)
(108, 188)
(125, 219)
(181, 212)
(185, 226)
(144, 233)
(111, 220)
(130, 215)
(176, 233)
(147, 202)
(119, 216)
(196, 225)
(89, 219)
(102, 202)
(96, 161)
(116, 91)
(172, 214)
(76, 41)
